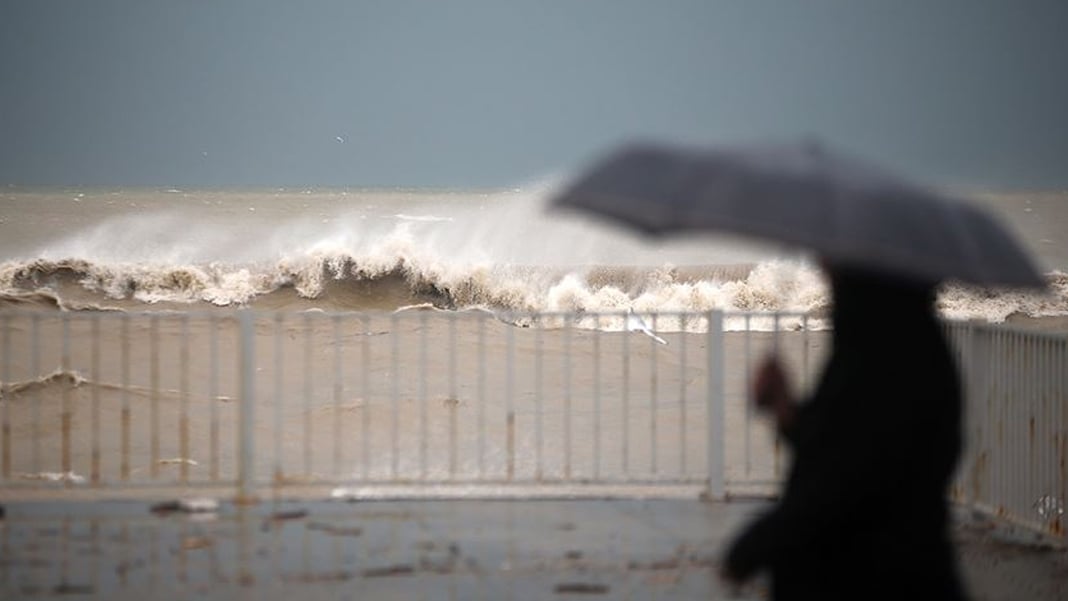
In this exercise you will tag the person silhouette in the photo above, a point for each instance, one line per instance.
(864, 511)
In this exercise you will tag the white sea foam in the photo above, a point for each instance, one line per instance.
(499, 251)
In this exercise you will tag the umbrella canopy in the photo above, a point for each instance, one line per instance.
(843, 209)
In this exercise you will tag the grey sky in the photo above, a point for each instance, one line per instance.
(471, 93)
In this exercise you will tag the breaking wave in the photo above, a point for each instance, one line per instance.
(498, 252)
(341, 281)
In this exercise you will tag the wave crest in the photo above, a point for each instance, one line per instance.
(395, 277)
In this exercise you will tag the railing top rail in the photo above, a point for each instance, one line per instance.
(504, 314)
(1003, 328)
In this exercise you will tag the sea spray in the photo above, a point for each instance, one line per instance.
(345, 281)
(382, 250)
(995, 306)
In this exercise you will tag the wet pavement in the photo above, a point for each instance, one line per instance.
(419, 549)
(663, 549)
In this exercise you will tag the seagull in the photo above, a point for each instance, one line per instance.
(635, 324)
(339, 139)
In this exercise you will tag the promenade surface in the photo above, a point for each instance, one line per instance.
(425, 549)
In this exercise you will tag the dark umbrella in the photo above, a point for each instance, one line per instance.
(849, 212)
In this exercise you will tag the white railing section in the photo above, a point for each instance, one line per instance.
(1015, 465)
(509, 403)
(427, 398)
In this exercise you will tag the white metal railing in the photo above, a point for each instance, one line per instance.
(508, 404)
(1015, 465)
(420, 398)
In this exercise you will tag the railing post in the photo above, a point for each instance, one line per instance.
(715, 444)
(246, 493)
(1058, 527)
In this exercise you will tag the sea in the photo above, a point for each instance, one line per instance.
(298, 249)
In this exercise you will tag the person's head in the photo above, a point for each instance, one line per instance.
(867, 298)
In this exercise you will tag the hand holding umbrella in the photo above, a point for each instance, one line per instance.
(773, 394)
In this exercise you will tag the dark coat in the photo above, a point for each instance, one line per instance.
(864, 511)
